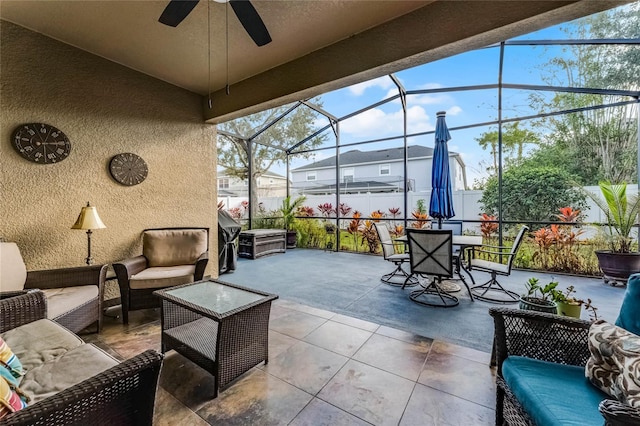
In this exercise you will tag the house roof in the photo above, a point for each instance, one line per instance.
(222, 173)
(362, 157)
(317, 46)
(356, 186)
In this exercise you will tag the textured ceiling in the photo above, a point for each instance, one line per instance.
(318, 45)
(128, 32)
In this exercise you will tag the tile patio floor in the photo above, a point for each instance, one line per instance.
(344, 349)
(324, 369)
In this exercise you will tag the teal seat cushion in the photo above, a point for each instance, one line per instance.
(629, 316)
(553, 394)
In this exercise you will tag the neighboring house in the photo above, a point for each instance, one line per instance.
(269, 185)
(376, 171)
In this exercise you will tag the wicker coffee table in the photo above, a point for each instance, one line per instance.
(222, 327)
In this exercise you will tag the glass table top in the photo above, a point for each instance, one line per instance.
(215, 296)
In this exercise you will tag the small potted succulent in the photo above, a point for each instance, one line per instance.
(538, 297)
(569, 305)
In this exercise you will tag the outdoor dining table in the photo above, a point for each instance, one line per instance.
(464, 242)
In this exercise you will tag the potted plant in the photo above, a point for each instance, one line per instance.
(539, 298)
(288, 211)
(569, 305)
(621, 211)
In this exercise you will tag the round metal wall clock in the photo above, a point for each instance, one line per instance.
(41, 143)
(128, 169)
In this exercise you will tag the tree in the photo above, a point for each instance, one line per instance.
(513, 141)
(268, 148)
(531, 193)
(597, 144)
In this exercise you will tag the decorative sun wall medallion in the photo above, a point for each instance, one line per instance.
(128, 169)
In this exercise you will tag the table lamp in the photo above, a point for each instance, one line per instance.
(88, 219)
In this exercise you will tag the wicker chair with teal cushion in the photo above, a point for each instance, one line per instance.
(543, 361)
(629, 316)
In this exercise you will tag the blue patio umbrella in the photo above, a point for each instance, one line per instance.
(441, 204)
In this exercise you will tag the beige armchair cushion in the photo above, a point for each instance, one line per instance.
(62, 300)
(13, 272)
(172, 247)
(163, 276)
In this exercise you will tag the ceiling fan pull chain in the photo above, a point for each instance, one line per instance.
(226, 20)
(209, 53)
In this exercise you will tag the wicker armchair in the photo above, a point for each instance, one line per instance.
(122, 395)
(546, 337)
(74, 295)
(171, 257)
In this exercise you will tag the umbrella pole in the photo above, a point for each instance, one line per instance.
(439, 223)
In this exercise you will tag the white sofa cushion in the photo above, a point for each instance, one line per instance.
(39, 342)
(13, 272)
(65, 299)
(163, 276)
(69, 369)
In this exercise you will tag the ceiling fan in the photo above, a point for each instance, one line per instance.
(177, 10)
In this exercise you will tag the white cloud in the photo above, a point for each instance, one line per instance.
(435, 99)
(380, 82)
(454, 110)
(375, 123)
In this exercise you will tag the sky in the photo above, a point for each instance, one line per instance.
(522, 64)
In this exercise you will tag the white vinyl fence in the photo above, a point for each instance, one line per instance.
(466, 203)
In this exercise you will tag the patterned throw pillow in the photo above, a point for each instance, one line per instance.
(10, 399)
(614, 365)
(10, 366)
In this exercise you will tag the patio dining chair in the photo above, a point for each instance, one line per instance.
(391, 253)
(431, 256)
(497, 260)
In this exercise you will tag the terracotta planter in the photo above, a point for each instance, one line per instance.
(569, 309)
(539, 305)
(618, 266)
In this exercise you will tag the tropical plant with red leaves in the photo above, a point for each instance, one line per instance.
(395, 212)
(557, 245)
(488, 226)
(236, 212)
(544, 240)
(568, 214)
(326, 209)
(305, 211)
(397, 231)
(344, 209)
(377, 215)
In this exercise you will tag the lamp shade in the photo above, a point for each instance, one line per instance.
(88, 219)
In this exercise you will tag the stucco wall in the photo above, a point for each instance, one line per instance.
(104, 109)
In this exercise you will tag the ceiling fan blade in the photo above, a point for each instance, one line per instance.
(251, 21)
(176, 11)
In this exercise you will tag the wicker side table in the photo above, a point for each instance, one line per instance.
(222, 327)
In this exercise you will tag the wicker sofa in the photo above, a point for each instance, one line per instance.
(69, 381)
(541, 379)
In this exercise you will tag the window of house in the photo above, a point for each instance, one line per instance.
(311, 176)
(223, 183)
(348, 174)
(385, 169)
